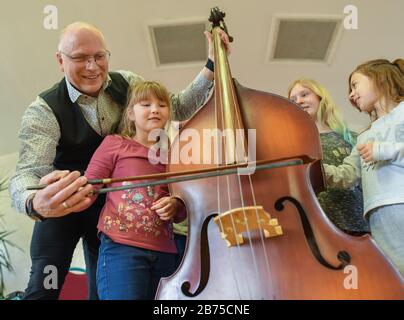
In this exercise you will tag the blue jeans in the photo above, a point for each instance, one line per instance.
(387, 228)
(130, 273)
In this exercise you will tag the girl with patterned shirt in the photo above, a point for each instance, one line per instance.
(135, 225)
(344, 207)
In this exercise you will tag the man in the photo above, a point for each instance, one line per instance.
(60, 131)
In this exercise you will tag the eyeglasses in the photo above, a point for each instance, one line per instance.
(99, 58)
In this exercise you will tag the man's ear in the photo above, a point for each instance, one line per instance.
(59, 58)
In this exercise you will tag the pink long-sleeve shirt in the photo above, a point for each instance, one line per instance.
(126, 216)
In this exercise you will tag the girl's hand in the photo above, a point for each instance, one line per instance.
(366, 151)
(165, 207)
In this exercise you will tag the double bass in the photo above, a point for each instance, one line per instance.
(263, 235)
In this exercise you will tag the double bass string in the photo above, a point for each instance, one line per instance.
(219, 210)
(239, 124)
(219, 101)
(261, 232)
(236, 123)
(257, 217)
(262, 237)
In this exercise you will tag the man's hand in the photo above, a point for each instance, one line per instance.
(66, 192)
(225, 40)
(366, 151)
(165, 207)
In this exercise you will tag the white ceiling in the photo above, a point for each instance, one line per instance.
(28, 65)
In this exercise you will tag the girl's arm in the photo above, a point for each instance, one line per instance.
(101, 164)
(345, 175)
(393, 151)
(181, 211)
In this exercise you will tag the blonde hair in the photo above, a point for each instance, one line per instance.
(140, 91)
(327, 112)
(388, 78)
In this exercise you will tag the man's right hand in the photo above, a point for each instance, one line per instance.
(66, 192)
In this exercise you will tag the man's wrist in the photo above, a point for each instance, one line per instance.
(31, 212)
(210, 65)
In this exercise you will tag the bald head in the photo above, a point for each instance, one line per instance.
(74, 31)
(80, 47)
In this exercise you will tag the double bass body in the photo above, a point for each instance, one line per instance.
(306, 257)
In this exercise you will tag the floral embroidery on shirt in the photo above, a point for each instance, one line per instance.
(134, 213)
(107, 222)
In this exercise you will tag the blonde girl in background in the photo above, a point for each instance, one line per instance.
(344, 207)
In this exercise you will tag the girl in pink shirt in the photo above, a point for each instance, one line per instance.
(135, 225)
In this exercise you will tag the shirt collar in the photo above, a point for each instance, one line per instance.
(74, 94)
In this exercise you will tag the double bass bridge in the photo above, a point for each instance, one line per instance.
(233, 223)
